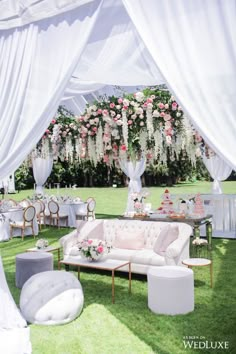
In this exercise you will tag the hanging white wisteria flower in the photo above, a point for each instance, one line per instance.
(146, 123)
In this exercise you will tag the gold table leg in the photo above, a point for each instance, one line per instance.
(130, 277)
(58, 257)
(113, 286)
(211, 274)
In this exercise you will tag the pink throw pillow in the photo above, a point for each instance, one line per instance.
(163, 234)
(168, 235)
(129, 240)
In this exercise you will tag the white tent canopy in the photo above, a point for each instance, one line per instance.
(188, 44)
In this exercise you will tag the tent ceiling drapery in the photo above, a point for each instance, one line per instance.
(121, 42)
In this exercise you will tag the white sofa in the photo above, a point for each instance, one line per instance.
(140, 259)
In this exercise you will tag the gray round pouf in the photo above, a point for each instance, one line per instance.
(30, 263)
(51, 298)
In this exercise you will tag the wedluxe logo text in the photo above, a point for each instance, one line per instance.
(193, 342)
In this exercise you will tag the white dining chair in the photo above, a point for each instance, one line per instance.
(38, 209)
(25, 203)
(89, 212)
(55, 214)
(28, 219)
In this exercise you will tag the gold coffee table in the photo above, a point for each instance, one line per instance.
(107, 264)
(199, 262)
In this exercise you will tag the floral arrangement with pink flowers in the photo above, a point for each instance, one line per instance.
(61, 137)
(93, 249)
(138, 199)
(148, 123)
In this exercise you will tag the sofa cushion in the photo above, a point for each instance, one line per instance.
(129, 240)
(167, 235)
(148, 257)
(145, 256)
(121, 254)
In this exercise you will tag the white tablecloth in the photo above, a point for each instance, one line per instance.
(223, 209)
(71, 209)
(15, 215)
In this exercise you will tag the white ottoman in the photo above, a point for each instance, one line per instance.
(51, 298)
(170, 290)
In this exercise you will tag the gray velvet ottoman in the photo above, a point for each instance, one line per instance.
(30, 263)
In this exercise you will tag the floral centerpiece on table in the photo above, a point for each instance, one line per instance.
(41, 243)
(93, 249)
(138, 199)
(199, 244)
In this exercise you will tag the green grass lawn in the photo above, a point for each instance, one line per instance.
(128, 326)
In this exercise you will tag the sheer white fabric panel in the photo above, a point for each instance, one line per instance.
(219, 171)
(36, 64)
(80, 93)
(134, 171)
(115, 54)
(10, 316)
(15, 13)
(14, 336)
(42, 169)
(193, 45)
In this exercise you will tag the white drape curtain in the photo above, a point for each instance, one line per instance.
(42, 168)
(14, 336)
(36, 63)
(115, 54)
(133, 170)
(15, 13)
(219, 171)
(193, 45)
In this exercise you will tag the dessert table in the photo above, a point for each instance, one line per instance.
(222, 207)
(14, 214)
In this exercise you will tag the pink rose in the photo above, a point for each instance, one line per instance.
(174, 106)
(99, 111)
(138, 205)
(149, 100)
(123, 147)
(53, 121)
(161, 105)
(95, 129)
(100, 249)
(88, 125)
(130, 122)
(112, 105)
(167, 117)
(125, 108)
(162, 114)
(149, 155)
(106, 158)
(47, 131)
(90, 241)
(120, 100)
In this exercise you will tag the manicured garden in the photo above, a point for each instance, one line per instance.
(129, 326)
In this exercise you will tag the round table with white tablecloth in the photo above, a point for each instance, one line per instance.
(70, 209)
(15, 214)
(4, 229)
